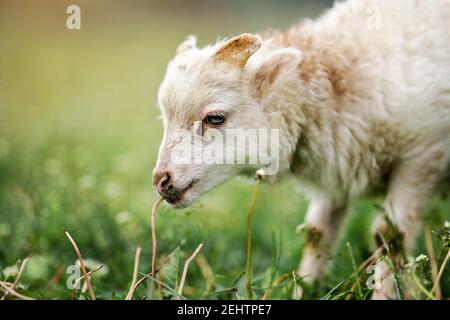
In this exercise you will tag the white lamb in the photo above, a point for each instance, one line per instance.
(361, 99)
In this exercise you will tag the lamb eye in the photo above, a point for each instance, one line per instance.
(214, 119)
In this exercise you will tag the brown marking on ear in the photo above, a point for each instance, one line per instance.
(266, 75)
(270, 70)
(238, 50)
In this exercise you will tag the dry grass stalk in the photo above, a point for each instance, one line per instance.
(75, 285)
(57, 276)
(13, 293)
(137, 284)
(154, 243)
(186, 267)
(135, 273)
(434, 268)
(249, 241)
(83, 268)
(268, 293)
(370, 260)
(19, 275)
(441, 271)
(149, 276)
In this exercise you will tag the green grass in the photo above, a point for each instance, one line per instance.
(78, 141)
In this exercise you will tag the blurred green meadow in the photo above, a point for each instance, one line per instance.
(79, 137)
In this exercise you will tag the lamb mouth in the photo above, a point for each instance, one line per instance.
(176, 197)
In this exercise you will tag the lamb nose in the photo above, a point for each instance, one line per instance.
(163, 185)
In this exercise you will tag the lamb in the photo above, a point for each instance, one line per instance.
(361, 100)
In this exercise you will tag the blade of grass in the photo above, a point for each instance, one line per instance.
(220, 292)
(276, 255)
(355, 268)
(328, 295)
(360, 268)
(83, 268)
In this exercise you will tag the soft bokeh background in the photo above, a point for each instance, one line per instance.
(79, 137)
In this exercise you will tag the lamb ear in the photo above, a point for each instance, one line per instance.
(186, 45)
(236, 51)
(267, 73)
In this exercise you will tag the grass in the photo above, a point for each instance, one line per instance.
(78, 142)
(248, 268)
(86, 277)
